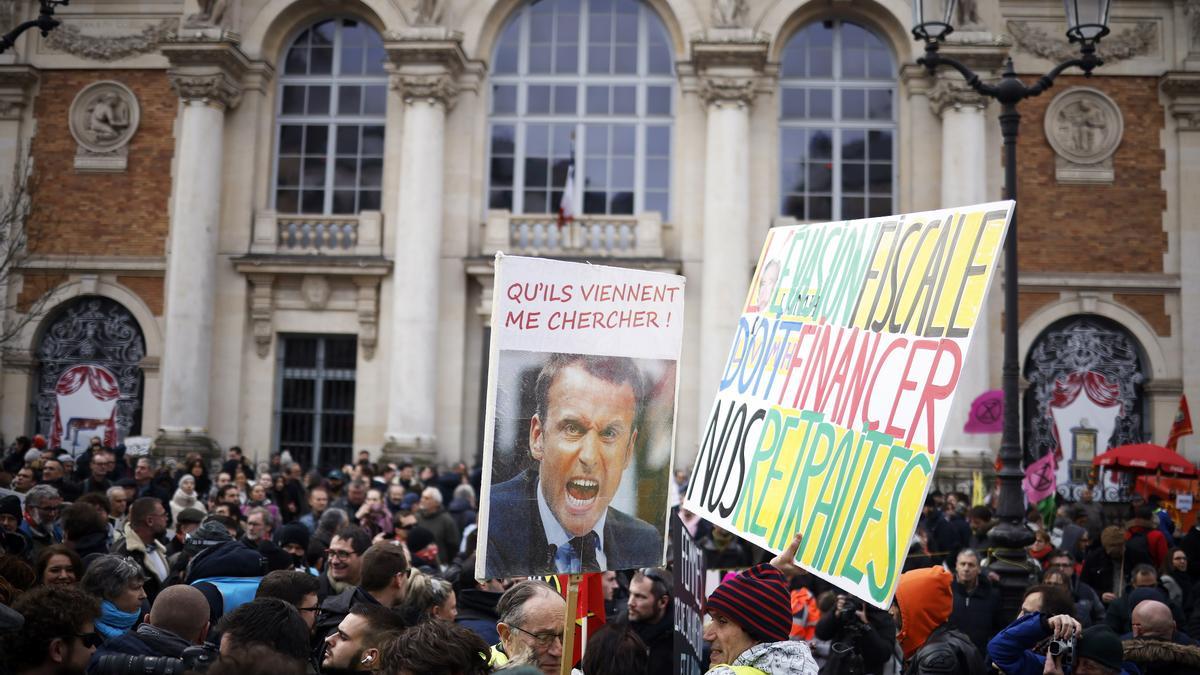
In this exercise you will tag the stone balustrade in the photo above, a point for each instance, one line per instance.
(318, 235)
(587, 236)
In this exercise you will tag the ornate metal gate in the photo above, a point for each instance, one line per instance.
(103, 336)
(1083, 355)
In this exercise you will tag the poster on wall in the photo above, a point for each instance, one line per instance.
(582, 388)
(835, 394)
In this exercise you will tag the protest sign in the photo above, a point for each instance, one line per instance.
(835, 394)
(689, 599)
(582, 385)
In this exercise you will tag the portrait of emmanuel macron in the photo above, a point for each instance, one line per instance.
(580, 472)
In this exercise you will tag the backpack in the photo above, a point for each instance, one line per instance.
(1139, 543)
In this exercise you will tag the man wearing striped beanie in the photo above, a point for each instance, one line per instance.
(751, 616)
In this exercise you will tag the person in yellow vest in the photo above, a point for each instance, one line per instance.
(750, 618)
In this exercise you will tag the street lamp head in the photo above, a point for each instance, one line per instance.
(931, 19)
(1087, 21)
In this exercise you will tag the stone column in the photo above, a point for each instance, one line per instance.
(206, 74)
(729, 65)
(964, 159)
(425, 64)
(1182, 140)
(16, 92)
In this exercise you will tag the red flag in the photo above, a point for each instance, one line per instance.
(1183, 423)
(589, 612)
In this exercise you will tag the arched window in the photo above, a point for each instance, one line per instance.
(837, 124)
(332, 100)
(587, 83)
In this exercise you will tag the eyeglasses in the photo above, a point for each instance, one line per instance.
(404, 526)
(91, 639)
(48, 509)
(542, 639)
(314, 608)
(656, 576)
(340, 555)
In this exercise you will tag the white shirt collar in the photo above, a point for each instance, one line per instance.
(556, 535)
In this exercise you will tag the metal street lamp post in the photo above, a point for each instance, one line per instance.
(45, 22)
(1087, 22)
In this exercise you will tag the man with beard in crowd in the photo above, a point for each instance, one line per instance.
(652, 615)
(147, 522)
(58, 635)
(354, 644)
(40, 527)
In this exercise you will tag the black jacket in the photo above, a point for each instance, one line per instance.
(875, 641)
(977, 612)
(477, 611)
(335, 608)
(946, 652)
(659, 638)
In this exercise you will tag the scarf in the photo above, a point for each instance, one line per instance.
(113, 621)
(183, 500)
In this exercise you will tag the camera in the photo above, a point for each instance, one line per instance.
(849, 613)
(194, 659)
(1063, 650)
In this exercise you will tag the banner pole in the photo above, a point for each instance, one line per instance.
(568, 641)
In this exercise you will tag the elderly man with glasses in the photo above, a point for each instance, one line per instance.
(43, 504)
(531, 627)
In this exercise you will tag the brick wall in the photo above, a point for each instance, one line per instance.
(102, 213)
(149, 289)
(1152, 308)
(1094, 228)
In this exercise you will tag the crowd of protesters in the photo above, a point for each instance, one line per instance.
(115, 564)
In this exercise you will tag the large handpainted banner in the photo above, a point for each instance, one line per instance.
(582, 385)
(836, 391)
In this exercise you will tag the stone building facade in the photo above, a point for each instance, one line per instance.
(270, 223)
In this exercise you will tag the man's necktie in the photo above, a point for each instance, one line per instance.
(585, 548)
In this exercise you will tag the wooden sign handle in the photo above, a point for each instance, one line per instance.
(568, 642)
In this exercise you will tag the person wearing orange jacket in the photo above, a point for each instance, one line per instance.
(930, 642)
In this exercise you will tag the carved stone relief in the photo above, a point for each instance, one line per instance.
(315, 290)
(71, 39)
(728, 13)
(1192, 11)
(211, 15)
(103, 119)
(427, 13)
(1084, 126)
(1137, 40)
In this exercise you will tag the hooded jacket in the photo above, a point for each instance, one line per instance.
(477, 611)
(1161, 657)
(773, 658)
(929, 643)
(1011, 650)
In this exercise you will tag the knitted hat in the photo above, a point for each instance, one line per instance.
(190, 515)
(758, 601)
(11, 504)
(32, 455)
(210, 533)
(292, 533)
(39, 441)
(1100, 645)
(419, 538)
(64, 458)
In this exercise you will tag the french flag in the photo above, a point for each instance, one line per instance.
(566, 205)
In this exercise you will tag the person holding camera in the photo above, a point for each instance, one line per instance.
(177, 620)
(1069, 650)
(861, 634)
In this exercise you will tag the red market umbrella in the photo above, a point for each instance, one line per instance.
(1145, 458)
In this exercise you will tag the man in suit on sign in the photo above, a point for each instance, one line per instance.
(557, 518)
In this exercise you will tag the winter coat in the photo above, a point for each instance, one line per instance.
(946, 652)
(477, 611)
(1012, 649)
(147, 640)
(875, 641)
(1089, 609)
(133, 547)
(445, 533)
(772, 658)
(659, 638)
(1160, 657)
(977, 612)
